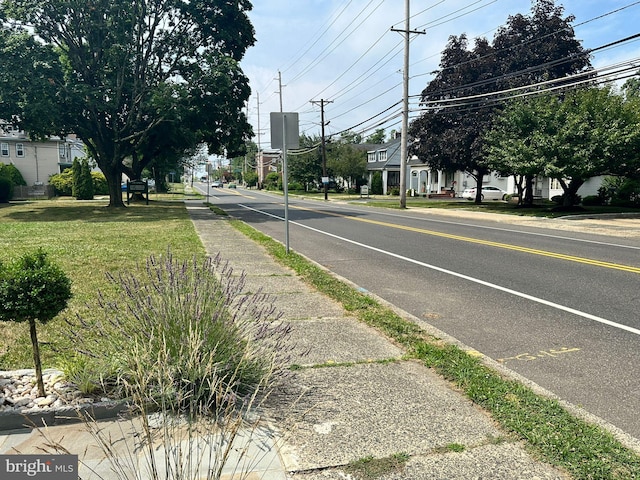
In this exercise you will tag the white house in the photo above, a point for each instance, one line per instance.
(37, 161)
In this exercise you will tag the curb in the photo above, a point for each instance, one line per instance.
(14, 421)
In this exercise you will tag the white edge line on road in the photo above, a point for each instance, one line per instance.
(464, 277)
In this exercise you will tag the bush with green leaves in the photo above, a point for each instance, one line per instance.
(11, 172)
(100, 186)
(272, 181)
(62, 182)
(376, 183)
(82, 188)
(33, 289)
(194, 318)
(6, 189)
(592, 201)
(251, 179)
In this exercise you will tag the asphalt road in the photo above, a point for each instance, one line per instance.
(561, 308)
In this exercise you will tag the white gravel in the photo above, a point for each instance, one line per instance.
(19, 393)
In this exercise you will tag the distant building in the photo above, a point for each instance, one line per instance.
(266, 162)
(37, 161)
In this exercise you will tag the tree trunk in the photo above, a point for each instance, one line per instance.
(528, 190)
(571, 192)
(36, 357)
(479, 177)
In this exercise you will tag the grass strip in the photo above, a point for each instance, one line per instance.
(87, 240)
(553, 434)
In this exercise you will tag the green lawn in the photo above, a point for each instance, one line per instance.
(86, 240)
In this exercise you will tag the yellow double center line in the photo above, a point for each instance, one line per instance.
(507, 246)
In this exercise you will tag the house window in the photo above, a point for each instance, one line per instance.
(19, 150)
(62, 150)
(4, 149)
(382, 156)
(371, 157)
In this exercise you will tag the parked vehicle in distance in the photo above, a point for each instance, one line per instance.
(216, 184)
(489, 192)
(232, 185)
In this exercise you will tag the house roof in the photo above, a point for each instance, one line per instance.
(393, 155)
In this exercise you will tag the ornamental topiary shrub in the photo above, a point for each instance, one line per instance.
(33, 289)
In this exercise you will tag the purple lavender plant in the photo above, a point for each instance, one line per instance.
(213, 343)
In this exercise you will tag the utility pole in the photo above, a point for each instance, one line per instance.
(323, 146)
(405, 105)
(258, 102)
(280, 88)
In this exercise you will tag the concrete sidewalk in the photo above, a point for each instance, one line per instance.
(361, 401)
(374, 404)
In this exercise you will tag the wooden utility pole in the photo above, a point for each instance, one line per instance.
(280, 88)
(323, 146)
(405, 105)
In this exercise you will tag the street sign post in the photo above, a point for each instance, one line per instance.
(284, 135)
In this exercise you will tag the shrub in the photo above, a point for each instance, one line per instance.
(33, 288)
(12, 173)
(62, 182)
(82, 188)
(627, 193)
(272, 181)
(376, 183)
(394, 191)
(251, 179)
(100, 186)
(592, 201)
(6, 189)
(197, 320)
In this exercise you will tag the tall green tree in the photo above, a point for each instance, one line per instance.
(450, 133)
(346, 161)
(377, 137)
(306, 167)
(120, 72)
(598, 133)
(449, 137)
(515, 144)
(587, 133)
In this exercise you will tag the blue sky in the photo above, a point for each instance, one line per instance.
(343, 51)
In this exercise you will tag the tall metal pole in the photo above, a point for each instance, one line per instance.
(285, 181)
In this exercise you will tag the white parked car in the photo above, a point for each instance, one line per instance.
(489, 192)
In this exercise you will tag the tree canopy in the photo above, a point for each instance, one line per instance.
(133, 79)
(460, 103)
(586, 133)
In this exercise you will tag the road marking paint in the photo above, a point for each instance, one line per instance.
(506, 246)
(528, 357)
(494, 286)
